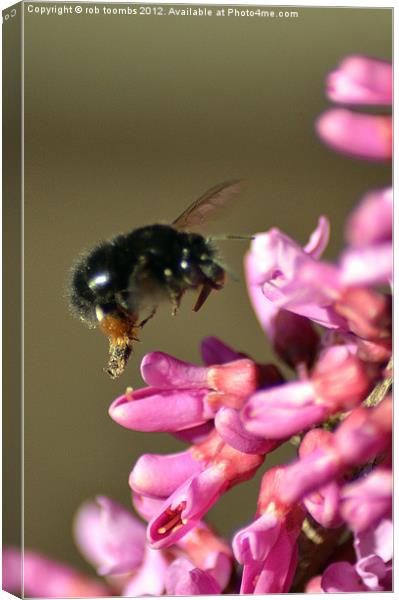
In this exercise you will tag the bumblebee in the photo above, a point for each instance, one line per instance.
(118, 281)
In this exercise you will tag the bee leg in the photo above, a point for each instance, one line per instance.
(154, 310)
(175, 298)
(203, 295)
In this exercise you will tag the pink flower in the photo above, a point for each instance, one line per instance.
(364, 81)
(284, 273)
(223, 467)
(373, 569)
(360, 437)
(46, 578)
(371, 221)
(267, 547)
(208, 552)
(183, 396)
(231, 428)
(109, 536)
(377, 540)
(361, 80)
(150, 578)
(158, 475)
(359, 135)
(184, 579)
(365, 501)
(339, 382)
(368, 313)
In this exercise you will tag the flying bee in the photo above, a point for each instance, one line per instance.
(118, 281)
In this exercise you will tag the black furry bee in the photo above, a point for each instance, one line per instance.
(116, 282)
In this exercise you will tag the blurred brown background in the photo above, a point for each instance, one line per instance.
(127, 120)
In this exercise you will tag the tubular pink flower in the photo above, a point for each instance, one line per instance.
(367, 266)
(231, 429)
(366, 501)
(163, 371)
(150, 579)
(338, 382)
(183, 510)
(341, 577)
(369, 313)
(371, 221)
(185, 507)
(152, 409)
(362, 435)
(312, 471)
(323, 505)
(361, 80)
(187, 396)
(184, 579)
(208, 552)
(159, 475)
(289, 277)
(267, 547)
(46, 578)
(109, 536)
(359, 135)
(282, 411)
(365, 433)
(377, 540)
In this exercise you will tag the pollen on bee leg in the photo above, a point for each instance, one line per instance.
(119, 350)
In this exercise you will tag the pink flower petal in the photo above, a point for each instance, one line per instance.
(282, 411)
(109, 536)
(148, 475)
(369, 266)
(341, 577)
(371, 220)
(153, 409)
(184, 579)
(149, 580)
(359, 135)
(361, 80)
(163, 371)
(232, 430)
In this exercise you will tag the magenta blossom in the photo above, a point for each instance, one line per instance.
(278, 268)
(223, 467)
(373, 570)
(46, 578)
(360, 438)
(109, 536)
(182, 396)
(359, 80)
(359, 135)
(339, 382)
(371, 221)
(267, 547)
(184, 579)
(365, 501)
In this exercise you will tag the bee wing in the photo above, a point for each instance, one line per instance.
(210, 203)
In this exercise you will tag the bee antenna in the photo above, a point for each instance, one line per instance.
(226, 237)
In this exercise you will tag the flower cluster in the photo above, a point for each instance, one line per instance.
(323, 523)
